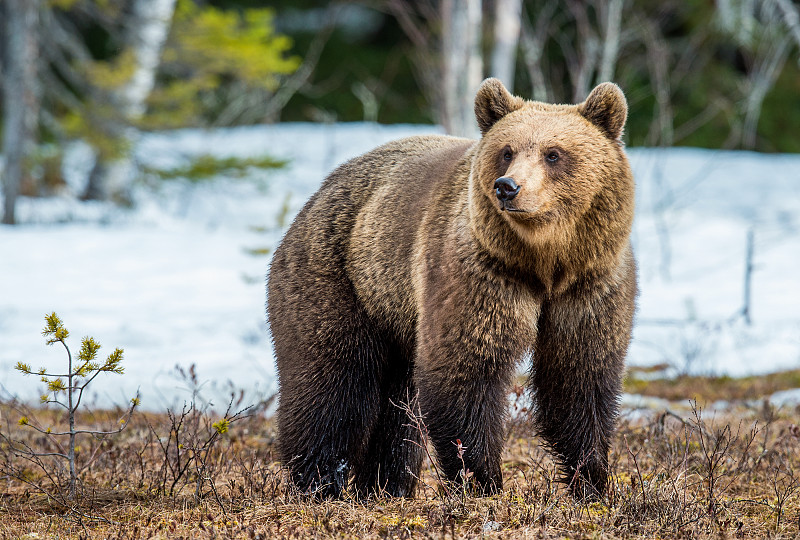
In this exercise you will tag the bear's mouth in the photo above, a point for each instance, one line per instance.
(504, 207)
(537, 216)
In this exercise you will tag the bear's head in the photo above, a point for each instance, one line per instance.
(555, 175)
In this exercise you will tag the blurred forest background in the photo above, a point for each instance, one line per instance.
(715, 74)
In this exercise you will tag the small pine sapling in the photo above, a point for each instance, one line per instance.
(79, 375)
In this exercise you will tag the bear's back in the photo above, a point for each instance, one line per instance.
(403, 178)
(363, 222)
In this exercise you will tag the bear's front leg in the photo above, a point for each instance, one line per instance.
(459, 404)
(578, 363)
(467, 354)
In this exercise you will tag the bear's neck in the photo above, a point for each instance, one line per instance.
(553, 258)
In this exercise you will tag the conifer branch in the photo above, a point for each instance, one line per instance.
(86, 369)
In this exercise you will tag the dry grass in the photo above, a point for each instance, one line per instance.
(684, 475)
(711, 388)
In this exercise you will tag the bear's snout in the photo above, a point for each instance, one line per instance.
(505, 188)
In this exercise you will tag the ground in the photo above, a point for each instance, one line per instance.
(677, 472)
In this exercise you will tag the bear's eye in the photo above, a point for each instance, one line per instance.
(552, 156)
(507, 155)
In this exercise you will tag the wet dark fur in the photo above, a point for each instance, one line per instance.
(398, 281)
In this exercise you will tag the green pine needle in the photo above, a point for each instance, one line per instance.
(56, 385)
(222, 426)
(113, 362)
(89, 348)
(24, 368)
(54, 327)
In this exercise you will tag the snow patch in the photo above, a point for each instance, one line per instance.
(179, 278)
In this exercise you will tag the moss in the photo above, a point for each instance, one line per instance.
(206, 167)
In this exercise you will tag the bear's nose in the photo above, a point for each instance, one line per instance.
(505, 188)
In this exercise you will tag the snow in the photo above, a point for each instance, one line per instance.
(786, 398)
(690, 309)
(179, 278)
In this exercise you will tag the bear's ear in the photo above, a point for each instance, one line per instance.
(493, 102)
(606, 108)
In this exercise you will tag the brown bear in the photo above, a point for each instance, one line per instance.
(429, 268)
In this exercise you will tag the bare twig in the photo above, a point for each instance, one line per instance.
(418, 424)
(638, 469)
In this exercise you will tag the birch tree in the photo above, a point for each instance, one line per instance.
(507, 22)
(20, 100)
(765, 30)
(770, 54)
(146, 33)
(463, 65)
(533, 36)
(612, 24)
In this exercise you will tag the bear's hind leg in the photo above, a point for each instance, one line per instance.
(330, 359)
(324, 424)
(393, 459)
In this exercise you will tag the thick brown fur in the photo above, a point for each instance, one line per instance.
(405, 278)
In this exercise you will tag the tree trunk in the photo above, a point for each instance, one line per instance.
(147, 31)
(463, 65)
(507, 17)
(658, 56)
(611, 40)
(760, 81)
(19, 96)
(791, 18)
(583, 64)
(533, 37)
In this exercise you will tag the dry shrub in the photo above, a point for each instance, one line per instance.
(688, 475)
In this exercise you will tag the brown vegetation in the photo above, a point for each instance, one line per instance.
(710, 389)
(684, 475)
